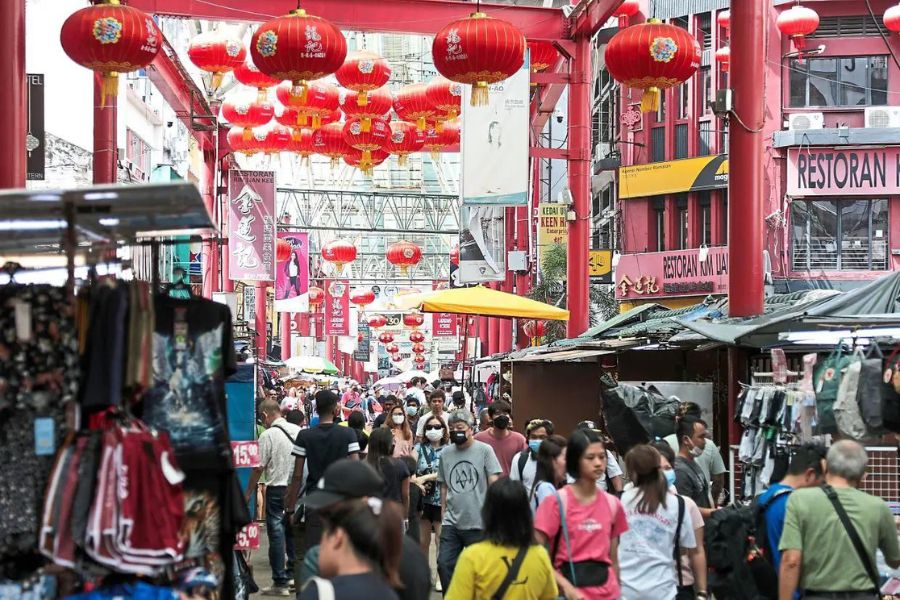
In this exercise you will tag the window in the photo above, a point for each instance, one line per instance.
(659, 212)
(681, 140)
(705, 90)
(683, 98)
(138, 153)
(839, 235)
(704, 30)
(657, 144)
(603, 221)
(681, 205)
(705, 218)
(704, 138)
(839, 81)
(661, 111)
(846, 26)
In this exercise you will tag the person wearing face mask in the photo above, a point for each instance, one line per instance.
(399, 426)
(550, 474)
(429, 451)
(412, 413)
(436, 401)
(689, 478)
(524, 464)
(500, 436)
(465, 471)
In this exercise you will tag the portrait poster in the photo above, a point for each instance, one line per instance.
(292, 274)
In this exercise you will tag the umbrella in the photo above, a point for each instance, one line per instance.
(482, 301)
(311, 364)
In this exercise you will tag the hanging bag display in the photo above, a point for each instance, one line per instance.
(890, 396)
(868, 395)
(846, 408)
(826, 380)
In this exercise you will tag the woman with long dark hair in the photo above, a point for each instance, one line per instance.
(394, 471)
(581, 524)
(508, 556)
(550, 470)
(659, 526)
(292, 270)
(398, 423)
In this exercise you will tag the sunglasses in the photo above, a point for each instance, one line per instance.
(433, 428)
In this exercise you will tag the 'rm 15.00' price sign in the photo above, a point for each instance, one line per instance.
(248, 538)
(245, 454)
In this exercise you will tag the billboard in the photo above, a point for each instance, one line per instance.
(292, 274)
(552, 228)
(251, 225)
(337, 307)
(482, 244)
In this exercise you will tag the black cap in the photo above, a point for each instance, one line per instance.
(344, 480)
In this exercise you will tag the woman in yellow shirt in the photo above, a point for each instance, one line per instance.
(508, 528)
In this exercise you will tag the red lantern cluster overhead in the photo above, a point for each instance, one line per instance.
(316, 296)
(439, 140)
(533, 329)
(404, 255)
(110, 39)
(797, 22)
(478, 50)
(411, 104)
(454, 255)
(377, 321)
(418, 348)
(247, 113)
(625, 11)
(419, 359)
(377, 106)
(376, 138)
(445, 97)
(417, 337)
(282, 250)
(541, 55)
(362, 297)
(405, 139)
(249, 75)
(414, 320)
(723, 57)
(892, 18)
(386, 338)
(217, 54)
(355, 158)
(339, 252)
(299, 48)
(392, 348)
(318, 100)
(652, 56)
(328, 141)
(362, 72)
(420, 366)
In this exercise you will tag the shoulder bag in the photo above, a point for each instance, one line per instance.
(678, 540)
(590, 573)
(826, 380)
(511, 574)
(857, 542)
(324, 588)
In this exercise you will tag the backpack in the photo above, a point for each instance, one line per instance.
(737, 553)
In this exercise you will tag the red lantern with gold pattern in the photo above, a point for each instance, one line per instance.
(316, 296)
(328, 141)
(438, 140)
(405, 139)
(272, 139)
(392, 348)
(454, 255)
(413, 319)
(723, 57)
(892, 18)
(377, 106)
(652, 56)
(419, 359)
(302, 145)
(798, 22)
(418, 348)
(533, 329)
(445, 96)
(404, 254)
(377, 321)
(541, 55)
(411, 104)
(376, 138)
(249, 75)
(242, 111)
(362, 297)
(319, 99)
(417, 337)
(625, 11)
(217, 54)
(355, 158)
(362, 72)
(478, 50)
(339, 252)
(110, 39)
(386, 338)
(241, 140)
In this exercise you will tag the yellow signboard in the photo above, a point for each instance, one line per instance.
(600, 264)
(552, 228)
(674, 176)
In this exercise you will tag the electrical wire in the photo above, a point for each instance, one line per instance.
(887, 44)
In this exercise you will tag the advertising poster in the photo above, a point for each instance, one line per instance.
(495, 144)
(443, 324)
(552, 228)
(292, 275)
(251, 225)
(482, 244)
(337, 307)
(35, 138)
(365, 342)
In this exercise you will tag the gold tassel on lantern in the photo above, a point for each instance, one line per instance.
(300, 89)
(366, 157)
(439, 126)
(216, 80)
(421, 123)
(480, 91)
(109, 87)
(650, 100)
(362, 98)
(247, 134)
(316, 121)
(366, 124)
(262, 95)
(402, 159)
(302, 119)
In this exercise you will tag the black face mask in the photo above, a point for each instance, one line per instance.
(458, 437)
(501, 421)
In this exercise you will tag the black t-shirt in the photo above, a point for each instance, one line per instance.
(690, 481)
(322, 445)
(416, 504)
(353, 587)
(379, 420)
(415, 574)
(394, 471)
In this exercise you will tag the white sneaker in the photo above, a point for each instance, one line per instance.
(437, 586)
(276, 590)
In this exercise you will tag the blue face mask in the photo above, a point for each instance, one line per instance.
(534, 445)
(670, 477)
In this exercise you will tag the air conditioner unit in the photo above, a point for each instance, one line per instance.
(804, 121)
(883, 116)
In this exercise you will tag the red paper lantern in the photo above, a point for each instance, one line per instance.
(241, 111)
(798, 22)
(625, 11)
(316, 296)
(362, 297)
(362, 72)
(377, 321)
(217, 54)
(420, 367)
(418, 348)
(405, 139)
(282, 250)
(445, 96)
(110, 39)
(652, 56)
(271, 139)
(440, 140)
(339, 252)
(331, 117)
(417, 337)
(404, 254)
(723, 57)
(396, 358)
(301, 143)
(419, 359)
(250, 76)
(376, 138)
(355, 159)
(533, 329)
(318, 100)
(241, 140)
(411, 104)
(454, 255)
(413, 319)
(328, 141)
(892, 18)
(386, 338)
(542, 55)
(392, 348)
(724, 19)
(478, 50)
(377, 106)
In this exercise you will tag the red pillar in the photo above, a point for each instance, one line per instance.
(505, 337)
(207, 179)
(106, 152)
(493, 336)
(329, 348)
(579, 186)
(745, 183)
(286, 324)
(13, 97)
(260, 325)
(484, 327)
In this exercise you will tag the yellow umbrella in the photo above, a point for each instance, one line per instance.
(481, 301)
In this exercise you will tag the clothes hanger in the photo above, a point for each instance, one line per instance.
(178, 288)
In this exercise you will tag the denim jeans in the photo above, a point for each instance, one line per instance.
(453, 541)
(280, 539)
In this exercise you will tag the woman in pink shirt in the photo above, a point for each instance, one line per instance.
(584, 549)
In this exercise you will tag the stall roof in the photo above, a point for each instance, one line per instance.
(565, 355)
(637, 313)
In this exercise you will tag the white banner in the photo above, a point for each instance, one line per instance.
(495, 144)
(482, 244)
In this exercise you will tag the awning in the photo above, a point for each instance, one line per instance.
(482, 301)
(674, 176)
(565, 355)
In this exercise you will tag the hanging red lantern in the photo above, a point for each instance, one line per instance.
(376, 138)
(417, 337)
(377, 106)
(798, 22)
(282, 250)
(396, 358)
(724, 19)
(445, 97)
(316, 296)
(362, 297)
(413, 319)
(362, 72)
(625, 11)
(249, 75)
(411, 104)
(723, 57)
(242, 111)
(386, 338)
(328, 141)
(301, 143)
(339, 252)
(110, 39)
(392, 348)
(331, 117)
(298, 47)
(216, 53)
(454, 255)
(418, 348)
(542, 55)
(892, 18)
(419, 359)
(440, 140)
(377, 321)
(652, 56)
(355, 159)
(319, 99)
(404, 254)
(272, 139)
(533, 329)
(478, 50)
(241, 140)
(405, 139)
(420, 367)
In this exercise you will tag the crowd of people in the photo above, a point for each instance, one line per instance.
(355, 501)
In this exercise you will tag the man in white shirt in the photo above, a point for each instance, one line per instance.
(275, 446)
(524, 464)
(417, 390)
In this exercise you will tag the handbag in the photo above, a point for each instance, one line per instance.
(826, 380)
(324, 588)
(591, 573)
(511, 575)
(846, 407)
(868, 395)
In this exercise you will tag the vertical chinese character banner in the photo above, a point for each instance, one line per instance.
(337, 307)
(251, 225)
(292, 274)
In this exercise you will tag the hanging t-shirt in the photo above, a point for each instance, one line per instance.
(646, 550)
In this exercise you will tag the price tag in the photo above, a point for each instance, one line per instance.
(245, 454)
(248, 538)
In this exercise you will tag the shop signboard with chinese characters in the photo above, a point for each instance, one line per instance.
(251, 225)
(552, 228)
(337, 307)
(672, 274)
(843, 172)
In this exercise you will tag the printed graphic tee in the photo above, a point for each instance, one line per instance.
(465, 472)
